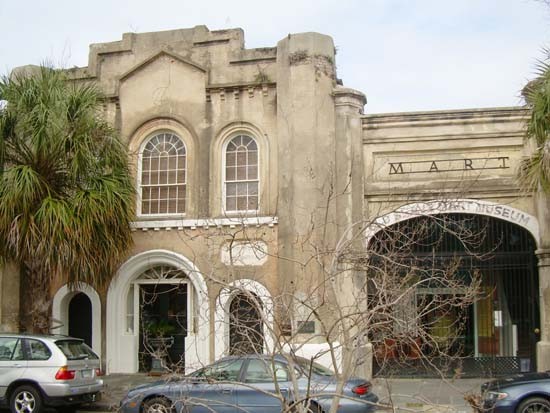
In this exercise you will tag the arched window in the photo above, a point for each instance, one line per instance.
(241, 178)
(163, 175)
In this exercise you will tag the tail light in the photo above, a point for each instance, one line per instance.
(64, 374)
(98, 372)
(362, 389)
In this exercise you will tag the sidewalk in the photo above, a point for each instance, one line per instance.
(427, 395)
(409, 395)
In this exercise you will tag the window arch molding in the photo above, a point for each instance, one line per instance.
(218, 162)
(141, 137)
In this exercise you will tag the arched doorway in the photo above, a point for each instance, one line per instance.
(80, 317)
(497, 333)
(123, 306)
(78, 312)
(245, 325)
(222, 317)
(162, 315)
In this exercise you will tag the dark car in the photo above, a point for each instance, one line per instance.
(253, 383)
(523, 393)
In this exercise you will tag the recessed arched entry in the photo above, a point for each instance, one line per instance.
(162, 317)
(80, 318)
(245, 325)
(156, 290)
(247, 303)
(498, 332)
(77, 312)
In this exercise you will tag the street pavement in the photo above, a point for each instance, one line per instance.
(405, 395)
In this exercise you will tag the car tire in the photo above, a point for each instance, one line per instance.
(312, 408)
(534, 405)
(157, 405)
(26, 399)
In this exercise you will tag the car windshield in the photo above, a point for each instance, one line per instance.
(76, 350)
(316, 368)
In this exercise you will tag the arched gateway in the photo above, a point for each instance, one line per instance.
(157, 294)
(498, 333)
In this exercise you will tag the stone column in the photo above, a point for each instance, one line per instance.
(306, 206)
(543, 253)
(543, 346)
(349, 186)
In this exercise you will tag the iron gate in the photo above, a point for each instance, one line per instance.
(499, 332)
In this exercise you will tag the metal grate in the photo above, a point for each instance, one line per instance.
(504, 254)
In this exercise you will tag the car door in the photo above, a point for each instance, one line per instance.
(212, 389)
(259, 392)
(12, 362)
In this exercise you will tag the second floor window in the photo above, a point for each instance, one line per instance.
(163, 175)
(241, 175)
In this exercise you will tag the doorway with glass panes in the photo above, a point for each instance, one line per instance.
(161, 308)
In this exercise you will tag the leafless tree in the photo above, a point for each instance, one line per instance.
(381, 296)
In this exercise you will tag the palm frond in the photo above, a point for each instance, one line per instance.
(66, 195)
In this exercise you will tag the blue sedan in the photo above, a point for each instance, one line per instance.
(252, 383)
(523, 393)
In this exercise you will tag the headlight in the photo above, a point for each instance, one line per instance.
(494, 396)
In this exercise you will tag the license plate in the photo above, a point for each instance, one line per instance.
(87, 373)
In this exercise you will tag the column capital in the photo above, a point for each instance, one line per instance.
(349, 98)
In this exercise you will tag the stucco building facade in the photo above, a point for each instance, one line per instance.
(245, 160)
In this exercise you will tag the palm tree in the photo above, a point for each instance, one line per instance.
(534, 172)
(66, 194)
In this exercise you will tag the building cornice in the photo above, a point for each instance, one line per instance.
(442, 117)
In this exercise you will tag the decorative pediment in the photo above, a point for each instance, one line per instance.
(159, 55)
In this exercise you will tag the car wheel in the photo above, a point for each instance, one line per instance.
(534, 405)
(157, 405)
(312, 407)
(26, 399)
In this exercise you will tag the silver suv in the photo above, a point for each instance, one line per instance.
(45, 370)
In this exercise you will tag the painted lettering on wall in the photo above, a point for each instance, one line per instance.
(449, 165)
(471, 207)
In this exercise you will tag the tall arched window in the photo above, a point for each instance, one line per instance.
(163, 175)
(241, 174)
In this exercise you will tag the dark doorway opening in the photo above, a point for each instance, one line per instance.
(80, 318)
(163, 321)
(245, 325)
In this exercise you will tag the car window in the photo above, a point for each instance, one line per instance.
(38, 350)
(7, 347)
(260, 371)
(18, 353)
(75, 349)
(281, 372)
(315, 368)
(227, 370)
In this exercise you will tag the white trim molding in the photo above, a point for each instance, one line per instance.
(180, 224)
(60, 312)
(123, 343)
(221, 316)
(464, 206)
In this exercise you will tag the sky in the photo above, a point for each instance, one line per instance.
(405, 55)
